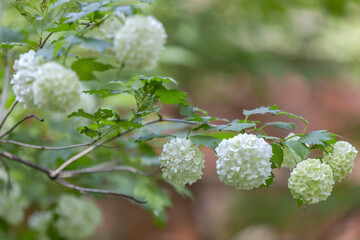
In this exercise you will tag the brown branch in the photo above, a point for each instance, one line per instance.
(62, 182)
(41, 45)
(73, 173)
(25, 162)
(95, 190)
(18, 123)
(8, 113)
(93, 147)
(44, 147)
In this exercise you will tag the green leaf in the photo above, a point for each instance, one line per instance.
(278, 155)
(300, 148)
(186, 110)
(58, 3)
(100, 114)
(89, 132)
(105, 92)
(262, 110)
(282, 125)
(236, 127)
(11, 44)
(87, 8)
(155, 78)
(62, 27)
(81, 113)
(317, 137)
(268, 181)
(156, 198)
(90, 43)
(152, 136)
(85, 67)
(172, 96)
(291, 115)
(207, 141)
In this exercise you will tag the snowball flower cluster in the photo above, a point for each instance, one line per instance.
(12, 205)
(50, 85)
(139, 42)
(291, 158)
(25, 74)
(56, 88)
(311, 181)
(341, 159)
(78, 217)
(244, 161)
(181, 161)
(40, 221)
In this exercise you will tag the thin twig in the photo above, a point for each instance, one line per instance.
(91, 148)
(73, 173)
(19, 122)
(41, 45)
(8, 113)
(25, 162)
(95, 190)
(8, 185)
(44, 147)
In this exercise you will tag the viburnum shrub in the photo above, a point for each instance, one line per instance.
(85, 45)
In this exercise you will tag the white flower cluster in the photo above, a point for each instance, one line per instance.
(78, 217)
(12, 205)
(291, 158)
(40, 221)
(45, 85)
(25, 74)
(139, 42)
(56, 88)
(181, 161)
(341, 159)
(244, 161)
(311, 181)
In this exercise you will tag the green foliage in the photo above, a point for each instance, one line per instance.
(278, 156)
(84, 68)
(207, 141)
(300, 148)
(319, 137)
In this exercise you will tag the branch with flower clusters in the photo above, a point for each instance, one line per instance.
(52, 76)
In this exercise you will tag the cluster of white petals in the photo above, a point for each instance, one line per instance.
(341, 159)
(78, 217)
(181, 161)
(139, 42)
(40, 221)
(25, 74)
(12, 205)
(291, 158)
(56, 88)
(311, 181)
(244, 161)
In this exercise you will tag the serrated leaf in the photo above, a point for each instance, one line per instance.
(11, 44)
(62, 27)
(89, 132)
(104, 92)
(86, 9)
(152, 136)
(317, 137)
(89, 43)
(207, 141)
(58, 3)
(172, 96)
(186, 110)
(236, 127)
(97, 116)
(282, 125)
(268, 181)
(291, 115)
(155, 78)
(300, 148)
(278, 155)
(85, 67)
(262, 110)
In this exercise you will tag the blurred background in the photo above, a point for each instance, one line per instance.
(231, 55)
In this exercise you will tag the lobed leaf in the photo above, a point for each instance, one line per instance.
(207, 141)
